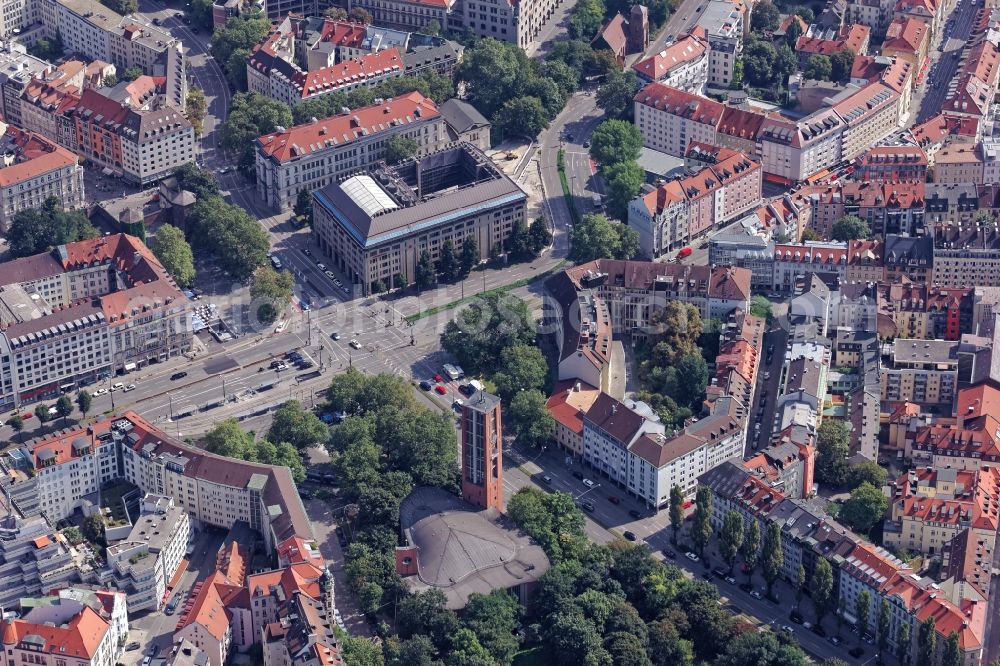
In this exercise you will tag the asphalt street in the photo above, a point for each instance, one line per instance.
(946, 62)
(681, 22)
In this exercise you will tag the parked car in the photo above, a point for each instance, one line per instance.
(795, 616)
(426, 385)
(335, 335)
(457, 405)
(117, 386)
(178, 375)
(130, 387)
(588, 483)
(588, 506)
(635, 515)
(834, 639)
(440, 390)
(730, 580)
(547, 479)
(577, 474)
(628, 534)
(755, 594)
(614, 499)
(691, 556)
(669, 554)
(355, 344)
(134, 645)
(818, 630)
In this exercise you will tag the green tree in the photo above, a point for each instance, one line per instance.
(489, 71)
(360, 651)
(676, 511)
(552, 519)
(667, 647)
(821, 588)
(426, 272)
(237, 240)
(832, 448)
(884, 622)
(109, 81)
(251, 116)
(64, 407)
(93, 529)
(615, 141)
(841, 64)
(239, 32)
(200, 13)
(175, 254)
(785, 64)
(528, 418)
(123, 7)
(43, 414)
(585, 19)
(447, 263)
(36, 230)
(47, 49)
(130, 74)
(16, 423)
(433, 28)
(701, 525)
(772, 556)
(274, 289)
(523, 116)
(926, 642)
(303, 207)
(547, 92)
(751, 547)
(616, 94)
(426, 613)
(810, 234)
(228, 439)
(195, 109)
(850, 227)
(800, 584)
(400, 147)
(565, 77)
(524, 369)
(539, 236)
(731, 538)
(468, 651)
(692, 378)
(761, 649)
(623, 181)
(482, 329)
(469, 257)
(766, 17)
(862, 609)
(866, 507)
(760, 307)
(818, 67)
(83, 401)
(297, 426)
(952, 655)
(594, 237)
(758, 62)
(792, 34)
(902, 642)
(867, 470)
(494, 618)
(359, 15)
(200, 182)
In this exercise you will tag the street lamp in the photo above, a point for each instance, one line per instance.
(587, 491)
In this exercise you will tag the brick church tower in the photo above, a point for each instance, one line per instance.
(638, 29)
(482, 451)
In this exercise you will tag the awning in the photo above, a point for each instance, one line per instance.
(129, 367)
(107, 172)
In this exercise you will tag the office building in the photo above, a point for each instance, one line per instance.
(313, 155)
(376, 225)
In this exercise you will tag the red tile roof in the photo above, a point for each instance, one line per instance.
(740, 123)
(35, 156)
(659, 65)
(567, 405)
(302, 140)
(852, 37)
(348, 73)
(613, 33)
(79, 638)
(681, 103)
(907, 34)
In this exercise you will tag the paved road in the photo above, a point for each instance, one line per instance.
(945, 63)
(681, 22)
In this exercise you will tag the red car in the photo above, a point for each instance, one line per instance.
(614, 500)
(441, 390)
(26, 416)
(684, 253)
(438, 378)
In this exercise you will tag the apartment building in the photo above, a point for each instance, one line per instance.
(568, 404)
(975, 85)
(76, 626)
(682, 210)
(908, 38)
(634, 290)
(870, 115)
(966, 255)
(969, 441)
(958, 163)
(892, 163)
(630, 447)
(670, 119)
(991, 161)
(920, 371)
(83, 311)
(723, 24)
(826, 41)
(513, 22)
(946, 205)
(34, 169)
(318, 153)
(930, 507)
(584, 337)
(682, 65)
(908, 256)
(33, 560)
(144, 562)
(92, 29)
(795, 260)
(911, 310)
(793, 151)
(739, 246)
(374, 226)
(290, 85)
(142, 145)
(17, 69)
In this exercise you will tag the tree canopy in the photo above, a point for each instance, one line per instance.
(251, 115)
(597, 237)
(615, 141)
(850, 227)
(479, 332)
(36, 230)
(865, 508)
(175, 254)
(235, 238)
(832, 448)
(240, 32)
